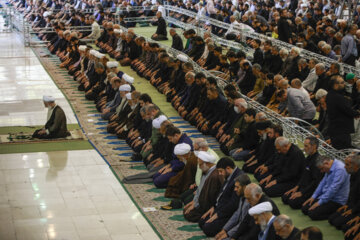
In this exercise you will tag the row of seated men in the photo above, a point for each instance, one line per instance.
(277, 163)
(259, 79)
(266, 79)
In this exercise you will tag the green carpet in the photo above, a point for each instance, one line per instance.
(27, 129)
(45, 147)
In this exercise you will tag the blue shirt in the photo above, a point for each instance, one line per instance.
(335, 185)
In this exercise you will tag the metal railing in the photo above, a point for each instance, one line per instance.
(304, 53)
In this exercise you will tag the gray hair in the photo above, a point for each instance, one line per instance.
(143, 109)
(296, 50)
(327, 47)
(302, 61)
(284, 51)
(261, 116)
(320, 65)
(283, 220)
(282, 141)
(255, 189)
(321, 160)
(320, 93)
(201, 142)
(257, 66)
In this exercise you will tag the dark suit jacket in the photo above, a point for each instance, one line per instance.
(341, 115)
(177, 43)
(56, 125)
(228, 201)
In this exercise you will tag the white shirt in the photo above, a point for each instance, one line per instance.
(95, 31)
(310, 82)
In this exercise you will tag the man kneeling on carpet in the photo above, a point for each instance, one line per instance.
(55, 126)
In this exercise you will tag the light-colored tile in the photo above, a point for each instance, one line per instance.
(65, 195)
(88, 222)
(94, 234)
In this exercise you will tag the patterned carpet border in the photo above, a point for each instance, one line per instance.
(167, 224)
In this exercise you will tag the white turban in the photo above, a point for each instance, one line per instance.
(125, 88)
(158, 121)
(99, 55)
(182, 149)
(112, 64)
(260, 208)
(206, 157)
(48, 99)
(128, 96)
(82, 47)
(303, 5)
(46, 14)
(127, 78)
(182, 57)
(93, 52)
(117, 31)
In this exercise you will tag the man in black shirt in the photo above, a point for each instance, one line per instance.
(341, 115)
(177, 42)
(161, 33)
(285, 228)
(309, 179)
(288, 171)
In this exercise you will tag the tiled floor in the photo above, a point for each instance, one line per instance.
(23, 82)
(65, 195)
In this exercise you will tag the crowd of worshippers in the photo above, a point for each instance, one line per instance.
(214, 192)
(302, 23)
(282, 81)
(312, 25)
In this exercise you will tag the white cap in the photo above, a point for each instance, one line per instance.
(128, 96)
(112, 64)
(46, 13)
(125, 88)
(206, 157)
(158, 121)
(303, 5)
(100, 55)
(182, 57)
(260, 208)
(93, 52)
(127, 78)
(182, 149)
(117, 31)
(82, 47)
(48, 99)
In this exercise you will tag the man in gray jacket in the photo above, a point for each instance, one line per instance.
(299, 104)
